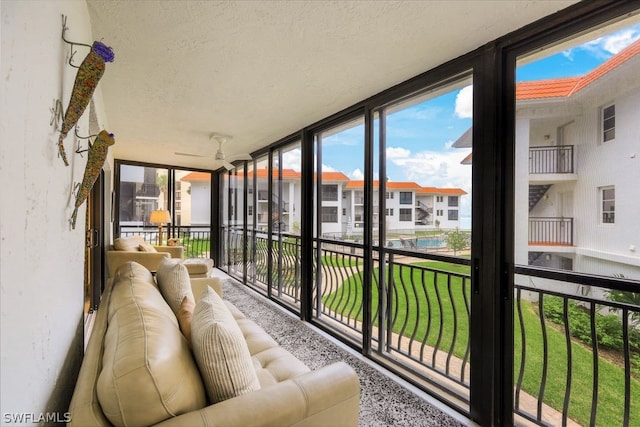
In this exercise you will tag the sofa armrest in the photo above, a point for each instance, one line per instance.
(174, 251)
(150, 260)
(199, 284)
(329, 396)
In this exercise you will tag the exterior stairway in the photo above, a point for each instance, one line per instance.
(535, 194)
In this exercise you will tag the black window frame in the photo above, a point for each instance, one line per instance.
(404, 196)
(405, 214)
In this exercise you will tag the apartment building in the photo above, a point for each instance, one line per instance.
(577, 166)
(409, 207)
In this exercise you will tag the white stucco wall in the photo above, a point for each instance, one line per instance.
(41, 259)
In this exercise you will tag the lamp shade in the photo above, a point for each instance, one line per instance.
(160, 217)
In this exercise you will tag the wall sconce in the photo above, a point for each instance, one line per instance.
(160, 217)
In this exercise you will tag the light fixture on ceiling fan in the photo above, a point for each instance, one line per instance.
(221, 138)
(220, 155)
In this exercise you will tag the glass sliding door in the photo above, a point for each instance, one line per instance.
(185, 194)
(421, 191)
(340, 222)
(141, 190)
(286, 192)
(260, 214)
(577, 234)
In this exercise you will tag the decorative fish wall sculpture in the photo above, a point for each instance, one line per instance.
(89, 74)
(97, 156)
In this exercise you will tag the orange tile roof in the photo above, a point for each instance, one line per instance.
(546, 88)
(563, 87)
(623, 56)
(197, 176)
(262, 173)
(333, 176)
(351, 185)
(399, 185)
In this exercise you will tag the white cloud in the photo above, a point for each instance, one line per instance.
(397, 153)
(464, 102)
(431, 168)
(606, 46)
(292, 159)
(356, 174)
(619, 41)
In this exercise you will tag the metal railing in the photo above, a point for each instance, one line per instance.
(551, 231)
(551, 159)
(196, 239)
(573, 354)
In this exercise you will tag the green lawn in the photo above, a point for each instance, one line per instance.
(412, 304)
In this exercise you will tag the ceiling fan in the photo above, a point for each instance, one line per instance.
(220, 155)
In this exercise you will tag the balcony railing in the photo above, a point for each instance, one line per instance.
(551, 231)
(552, 159)
(576, 357)
(196, 239)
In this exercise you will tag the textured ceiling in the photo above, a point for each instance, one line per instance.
(261, 70)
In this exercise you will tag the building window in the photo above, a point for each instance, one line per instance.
(388, 212)
(406, 198)
(453, 215)
(608, 123)
(439, 199)
(439, 212)
(389, 194)
(405, 214)
(329, 214)
(330, 193)
(608, 197)
(453, 200)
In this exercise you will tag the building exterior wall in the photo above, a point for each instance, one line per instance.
(598, 248)
(42, 259)
(200, 200)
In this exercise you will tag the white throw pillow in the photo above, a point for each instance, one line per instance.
(174, 282)
(220, 350)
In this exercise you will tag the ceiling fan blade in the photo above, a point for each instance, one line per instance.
(188, 154)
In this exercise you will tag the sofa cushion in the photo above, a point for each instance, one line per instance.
(199, 267)
(220, 350)
(148, 372)
(174, 282)
(131, 243)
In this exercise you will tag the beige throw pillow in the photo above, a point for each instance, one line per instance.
(185, 316)
(145, 247)
(131, 243)
(174, 283)
(220, 350)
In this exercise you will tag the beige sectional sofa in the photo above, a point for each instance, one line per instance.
(140, 369)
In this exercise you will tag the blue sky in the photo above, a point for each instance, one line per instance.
(419, 137)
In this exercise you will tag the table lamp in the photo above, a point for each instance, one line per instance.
(160, 217)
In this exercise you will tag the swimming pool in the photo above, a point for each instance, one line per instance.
(419, 243)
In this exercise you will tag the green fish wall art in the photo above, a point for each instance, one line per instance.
(97, 156)
(89, 74)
